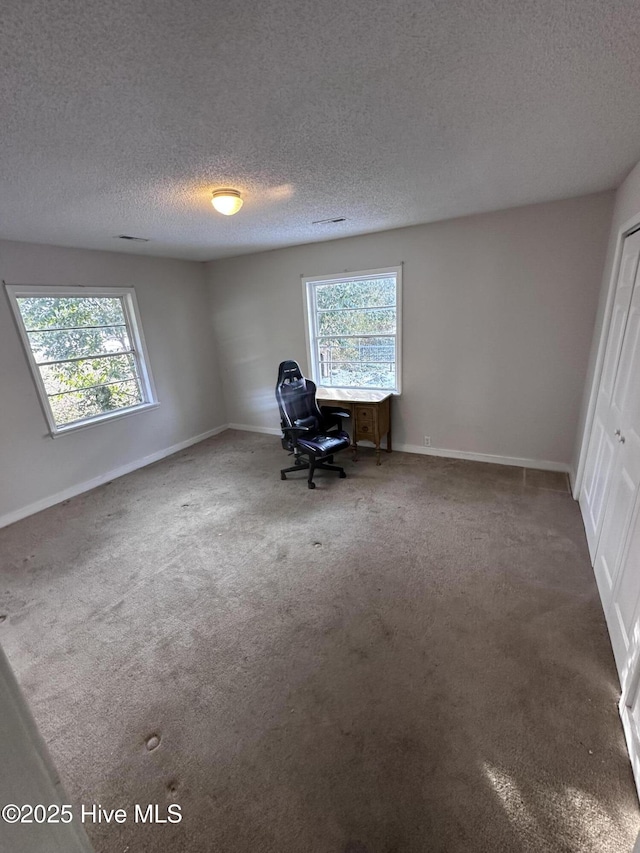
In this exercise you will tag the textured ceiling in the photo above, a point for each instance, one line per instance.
(121, 117)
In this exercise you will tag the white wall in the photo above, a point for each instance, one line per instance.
(173, 300)
(29, 776)
(627, 206)
(498, 316)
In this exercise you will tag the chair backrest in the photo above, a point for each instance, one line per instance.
(296, 397)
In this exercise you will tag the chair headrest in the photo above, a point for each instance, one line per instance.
(289, 371)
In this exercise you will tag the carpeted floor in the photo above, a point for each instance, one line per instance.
(411, 660)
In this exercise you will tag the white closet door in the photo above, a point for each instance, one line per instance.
(630, 709)
(623, 617)
(603, 445)
(617, 563)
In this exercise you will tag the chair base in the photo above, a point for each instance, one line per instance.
(313, 466)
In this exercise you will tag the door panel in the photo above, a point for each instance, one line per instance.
(617, 517)
(613, 390)
(618, 320)
(617, 559)
(625, 396)
(597, 478)
(627, 594)
(610, 495)
(630, 705)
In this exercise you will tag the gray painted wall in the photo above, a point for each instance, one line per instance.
(498, 318)
(627, 205)
(173, 300)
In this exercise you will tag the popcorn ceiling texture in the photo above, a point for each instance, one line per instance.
(411, 660)
(120, 118)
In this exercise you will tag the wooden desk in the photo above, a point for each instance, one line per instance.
(370, 411)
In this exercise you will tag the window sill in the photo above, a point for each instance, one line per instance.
(328, 388)
(56, 432)
(337, 396)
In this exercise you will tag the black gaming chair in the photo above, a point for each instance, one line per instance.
(311, 434)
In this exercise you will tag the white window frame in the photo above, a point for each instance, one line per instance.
(134, 327)
(308, 285)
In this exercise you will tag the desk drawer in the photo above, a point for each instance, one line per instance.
(366, 420)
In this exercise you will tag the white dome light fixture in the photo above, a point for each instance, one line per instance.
(227, 202)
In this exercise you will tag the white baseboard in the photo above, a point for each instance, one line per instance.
(249, 428)
(73, 491)
(519, 462)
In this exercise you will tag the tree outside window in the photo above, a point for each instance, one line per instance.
(85, 351)
(354, 329)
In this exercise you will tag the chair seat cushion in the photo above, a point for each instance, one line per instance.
(325, 444)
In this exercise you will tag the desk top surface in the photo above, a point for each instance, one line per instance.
(348, 395)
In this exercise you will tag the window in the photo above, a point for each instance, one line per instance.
(354, 329)
(86, 352)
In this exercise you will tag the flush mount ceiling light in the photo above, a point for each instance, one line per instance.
(227, 202)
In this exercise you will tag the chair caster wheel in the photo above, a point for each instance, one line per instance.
(283, 476)
(311, 485)
(342, 475)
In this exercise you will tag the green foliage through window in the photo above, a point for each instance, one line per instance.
(84, 353)
(354, 330)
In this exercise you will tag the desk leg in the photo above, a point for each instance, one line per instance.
(378, 462)
(389, 438)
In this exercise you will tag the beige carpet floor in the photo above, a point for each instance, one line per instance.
(411, 660)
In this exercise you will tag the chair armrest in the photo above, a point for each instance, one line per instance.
(330, 412)
(333, 418)
(295, 429)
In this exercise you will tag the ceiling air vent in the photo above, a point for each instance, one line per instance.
(135, 239)
(330, 221)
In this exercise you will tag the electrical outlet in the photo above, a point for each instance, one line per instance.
(427, 441)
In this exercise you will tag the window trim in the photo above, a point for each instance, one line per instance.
(308, 284)
(134, 325)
